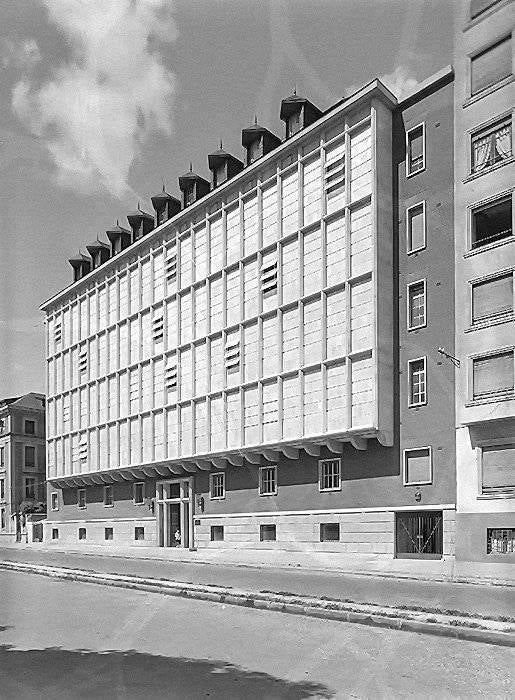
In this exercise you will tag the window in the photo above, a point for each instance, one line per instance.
(2, 489)
(57, 333)
(82, 533)
(329, 475)
(108, 533)
(189, 195)
(138, 491)
(30, 456)
(54, 500)
(30, 487)
(108, 496)
(232, 357)
(157, 329)
(416, 227)
(1, 456)
(500, 541)
(254, 151)
(329, 532)
(2, 519)
(491, 145)
(415, 150)
(81, 498)
(217, 485)
(492, 222)
(217, 533)
(267, 481)
(83, 361)
(139, 533)
(220, 176)
(419, 535)
(171, 265)
(418, 468)
(491, 65)
(417, 381)
(498, 469)
(477, 7)
(267, 533)
(269, 278)
(416, 305)
(492, 298)
(30, 427)
(492, 376)
(293, 123)
(55, 533)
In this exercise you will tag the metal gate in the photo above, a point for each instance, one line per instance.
(419, 535)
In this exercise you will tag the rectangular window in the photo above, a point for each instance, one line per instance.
(416, 227)
(492, 298)
(416, 305)
(30, 427)
(329, 532)
(419, 535)
(417, 381)
(81, 498)
(491, 222)
(139, 533)
(492, 376)
(491, 65)
(108, 533)
(491, 145)
(2, 519)
(498, 469)
(268, 481)
(108, 496)
(139, 493)
(30, 487)
(30, 456)
(217, 486)
(83, 362)
(269, 278)
(55, 533)
(415, 150)
(329, 475)
(54, 500)
(82, 533)
(157, 328)
(334, 177)
(500, 541)
(2, 489)
(418, 466)
(267, 533)
(217, 533)
(232, 356)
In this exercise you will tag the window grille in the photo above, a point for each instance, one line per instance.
(267, 481)
(217, 489)
(171, 377)
(330, 474)
(57, 333)
(232, 357)
(334, 173)
(83, 362)
(171, 265)
(419, 535)
(157, 329)
(500, 541)
(83, 451)
(491, 145)
(269, 278)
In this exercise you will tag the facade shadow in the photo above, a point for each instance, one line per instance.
(64, 674)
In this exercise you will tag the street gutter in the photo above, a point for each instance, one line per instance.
(475, 629)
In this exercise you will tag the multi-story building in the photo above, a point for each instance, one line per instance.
(485, 262)
(22, 459)
(260, 366)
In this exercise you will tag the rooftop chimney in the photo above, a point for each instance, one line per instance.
(99, 252)
(258, 141)
(119, 237)
(81, 265)
(141, 223)
(223, 166)
(165, 206)
(297, 113)
(193, 187)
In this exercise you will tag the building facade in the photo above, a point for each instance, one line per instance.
(259, 367)
(22, 460)
(485, 262)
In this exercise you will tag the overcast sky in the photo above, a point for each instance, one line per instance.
(101, 101)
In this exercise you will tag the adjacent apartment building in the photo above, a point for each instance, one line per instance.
(268, 362)
(485, 263)
(22, 459)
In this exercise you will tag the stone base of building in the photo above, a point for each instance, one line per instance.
(139, 532)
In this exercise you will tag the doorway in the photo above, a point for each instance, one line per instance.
(174, 500)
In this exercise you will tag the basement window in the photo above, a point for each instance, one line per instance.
(108, 533)
(267, 533)
(329, 532)
(55, 533)
(500, 541)
(139, 533)
(82, 533)
(217, 533)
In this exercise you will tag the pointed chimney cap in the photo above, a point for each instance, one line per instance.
(216, 158)
(189, 177)
(97, 245)
(79, 259)
(162, 196)
(139, 215)
(250, 134)
(293, 104)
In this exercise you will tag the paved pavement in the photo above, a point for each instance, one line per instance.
(65, 640)
(468, 599)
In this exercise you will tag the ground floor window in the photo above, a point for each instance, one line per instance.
(217, 533)
(329, 532)
(139, 533)
(54, 500)
(108, 533)
(500, 541)
(55, 533)
(497, 469)
(82, 533)
(267, 481)
(81, 498)
(139, 493)
(419, 534)
(267, 533)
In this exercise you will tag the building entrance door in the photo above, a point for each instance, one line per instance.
(174, 500)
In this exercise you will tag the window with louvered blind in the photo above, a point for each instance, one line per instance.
(492, 298)
(492, 376)
(498, 469)
(491, 65)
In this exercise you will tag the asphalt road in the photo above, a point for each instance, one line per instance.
(66, 640)
(484, 600)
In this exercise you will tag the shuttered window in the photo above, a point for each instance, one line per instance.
(233, 235)
(290, 271)
(216, 304)
(217, 364)
(250, 289)
(251, 351)
(335, 251)
(232, 297)
(492, 298)
(334, 177)
(186, 258)
(493, 375)
(200, 313)
(498, 468)
(251, 415)
(215, 245)
(491, 65)
(269, 206)
(250, 224)
(417, 466)
(290, 203)
(200, 259)
(311, 190)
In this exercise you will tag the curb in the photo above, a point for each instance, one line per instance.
(391, 618)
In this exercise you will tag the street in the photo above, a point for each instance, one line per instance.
(71, 640)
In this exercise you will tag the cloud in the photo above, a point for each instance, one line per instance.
(96, 111)
(23, 56)
(401, 81)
